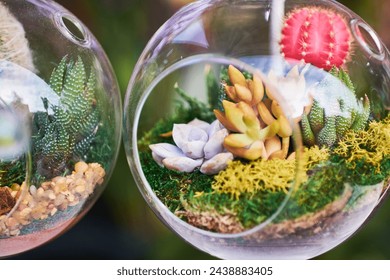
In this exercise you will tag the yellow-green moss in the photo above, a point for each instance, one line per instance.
(250, 177)
(313, 156)
(371, 145)
(274, 175)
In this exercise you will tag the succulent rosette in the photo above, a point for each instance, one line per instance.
(198, 145)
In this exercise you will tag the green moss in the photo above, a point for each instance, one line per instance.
(325, 184)
(101, 147)
(251, 210)
(169, 185)
(12, 172)
(362, 173)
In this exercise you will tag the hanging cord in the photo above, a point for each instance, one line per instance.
(13, 43)
(277, 15)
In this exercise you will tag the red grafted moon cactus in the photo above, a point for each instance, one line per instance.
(316, 35)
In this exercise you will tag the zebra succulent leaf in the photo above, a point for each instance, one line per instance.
(335, 111)
(66, 134)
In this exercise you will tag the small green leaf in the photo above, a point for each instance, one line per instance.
(317, 117)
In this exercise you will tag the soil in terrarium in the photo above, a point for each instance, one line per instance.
(228, 165)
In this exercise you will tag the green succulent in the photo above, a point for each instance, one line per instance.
(65, 131)
(326, 129)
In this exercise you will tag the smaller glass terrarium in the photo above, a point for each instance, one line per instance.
(60, 115)
(271, 138)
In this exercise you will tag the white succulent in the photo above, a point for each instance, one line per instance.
(290, 91)
(198, 145)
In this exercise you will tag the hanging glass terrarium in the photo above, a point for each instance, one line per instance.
(60, 115)
(260, 129)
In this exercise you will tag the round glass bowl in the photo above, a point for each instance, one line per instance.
(257, 130)
(60, 122)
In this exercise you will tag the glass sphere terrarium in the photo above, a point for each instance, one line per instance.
(60, 122)
(260, 129)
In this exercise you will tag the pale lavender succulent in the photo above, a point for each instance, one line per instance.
(198, 145)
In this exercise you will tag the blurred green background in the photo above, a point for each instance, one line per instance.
(121, 225)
